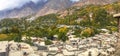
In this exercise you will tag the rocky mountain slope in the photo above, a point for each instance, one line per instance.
(25, 10)
(54, 6)
(50, 6)
(95, 2)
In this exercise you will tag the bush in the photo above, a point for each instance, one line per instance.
(48, 42)
(15, 37)
(96, 31)
(29, 41)
(87, 32)
(114, 29)
(3, 37)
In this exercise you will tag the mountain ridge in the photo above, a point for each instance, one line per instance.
(48, 7)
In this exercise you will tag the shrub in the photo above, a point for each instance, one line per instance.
(29, 41)
(87, 32)
(114, 29)
(96, 31)
(3, 37)
(48, 42)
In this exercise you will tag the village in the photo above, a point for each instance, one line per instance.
(100, 45)
(77, 31)
(103, 44)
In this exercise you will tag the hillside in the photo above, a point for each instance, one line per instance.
(95, 2)
(27, 9)
(47, 7)
(90, 18)
(53, 6)
(40, 8)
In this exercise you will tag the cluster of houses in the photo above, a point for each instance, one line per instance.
(99, 45)
(11, 48)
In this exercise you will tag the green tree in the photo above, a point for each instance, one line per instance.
(100, 17)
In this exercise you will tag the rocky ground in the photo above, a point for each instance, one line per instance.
(117, 46)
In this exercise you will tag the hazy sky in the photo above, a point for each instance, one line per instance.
(74, 0)
(10, 4)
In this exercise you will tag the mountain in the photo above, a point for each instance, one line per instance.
(54, 6)
(44, 7)
(27, 9)
(95, 2)
(40, 8)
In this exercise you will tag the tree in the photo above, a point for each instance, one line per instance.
(116, 7)
(16, 34)
(62, 34)
(100, 17)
